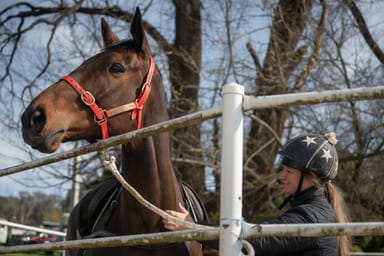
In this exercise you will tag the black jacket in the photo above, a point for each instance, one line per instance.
(309, 206)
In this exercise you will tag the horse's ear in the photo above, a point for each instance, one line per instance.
(108, 36)
(138, 34)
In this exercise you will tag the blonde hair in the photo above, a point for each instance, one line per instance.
(337, 202)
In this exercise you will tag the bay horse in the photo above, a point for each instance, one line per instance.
(116, 91)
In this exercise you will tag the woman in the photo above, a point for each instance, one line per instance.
(309, 164)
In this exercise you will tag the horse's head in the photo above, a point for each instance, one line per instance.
(111, 86)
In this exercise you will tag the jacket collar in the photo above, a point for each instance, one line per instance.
(308, 195)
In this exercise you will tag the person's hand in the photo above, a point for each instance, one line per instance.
(183, 214)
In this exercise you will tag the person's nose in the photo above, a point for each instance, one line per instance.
(282, 174)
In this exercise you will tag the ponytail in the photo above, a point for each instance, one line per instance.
(337, 202)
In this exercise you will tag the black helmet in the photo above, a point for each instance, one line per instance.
(312, 153)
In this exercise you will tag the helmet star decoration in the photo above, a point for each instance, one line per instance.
(326, 154)
(309, 140)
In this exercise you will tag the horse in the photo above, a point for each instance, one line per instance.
(116, 91)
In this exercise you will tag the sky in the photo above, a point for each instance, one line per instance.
(27, 181)
(8, 186)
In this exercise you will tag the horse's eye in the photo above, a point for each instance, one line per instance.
(116, 68)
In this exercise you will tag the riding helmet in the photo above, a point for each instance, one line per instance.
(312, 153)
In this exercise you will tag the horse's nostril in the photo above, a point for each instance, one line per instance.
(37, 120)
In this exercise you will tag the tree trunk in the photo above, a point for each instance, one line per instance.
(289, 21)
(184, 66)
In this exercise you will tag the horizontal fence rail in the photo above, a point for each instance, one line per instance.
(26, 227)
(250, 230)
(250, 102)
(366, 253)
(294, 99)
(314, 229)
(119, 139)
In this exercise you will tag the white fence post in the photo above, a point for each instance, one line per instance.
(231, 171)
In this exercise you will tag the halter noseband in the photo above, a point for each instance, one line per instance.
(101, 115)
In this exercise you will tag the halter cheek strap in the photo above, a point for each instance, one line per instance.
(101, 115)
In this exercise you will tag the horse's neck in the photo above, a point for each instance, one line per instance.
(147, 166)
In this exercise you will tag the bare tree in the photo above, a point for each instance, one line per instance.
(184, 76)
(31, 208)
(284, 56)
(271, 47)
(364, 30)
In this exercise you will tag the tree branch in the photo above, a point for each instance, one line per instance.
(362, 25)
(316, 48)
(255, 58)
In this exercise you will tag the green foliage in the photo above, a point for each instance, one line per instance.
(31, 254)
(368, 243)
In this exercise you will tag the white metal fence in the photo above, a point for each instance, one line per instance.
(27, 227)
(234, 103)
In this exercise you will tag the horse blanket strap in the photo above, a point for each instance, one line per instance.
(101, 115)
(194, 204)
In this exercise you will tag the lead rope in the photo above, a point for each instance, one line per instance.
(247, 246)
(110, 163)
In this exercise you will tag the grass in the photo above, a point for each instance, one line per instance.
(32, 254)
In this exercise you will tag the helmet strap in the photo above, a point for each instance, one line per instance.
(286, 200)
(298, 190)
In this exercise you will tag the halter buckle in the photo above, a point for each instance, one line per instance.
(87, 98)
(145, 85)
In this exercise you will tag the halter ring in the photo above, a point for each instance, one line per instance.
(101, 120)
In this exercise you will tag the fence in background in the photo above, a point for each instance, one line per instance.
(26, 227)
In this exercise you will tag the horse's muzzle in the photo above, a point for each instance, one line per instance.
(33, 122)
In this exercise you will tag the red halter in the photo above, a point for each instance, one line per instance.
(101, 115)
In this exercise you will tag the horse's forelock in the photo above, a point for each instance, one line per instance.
(128, 43)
